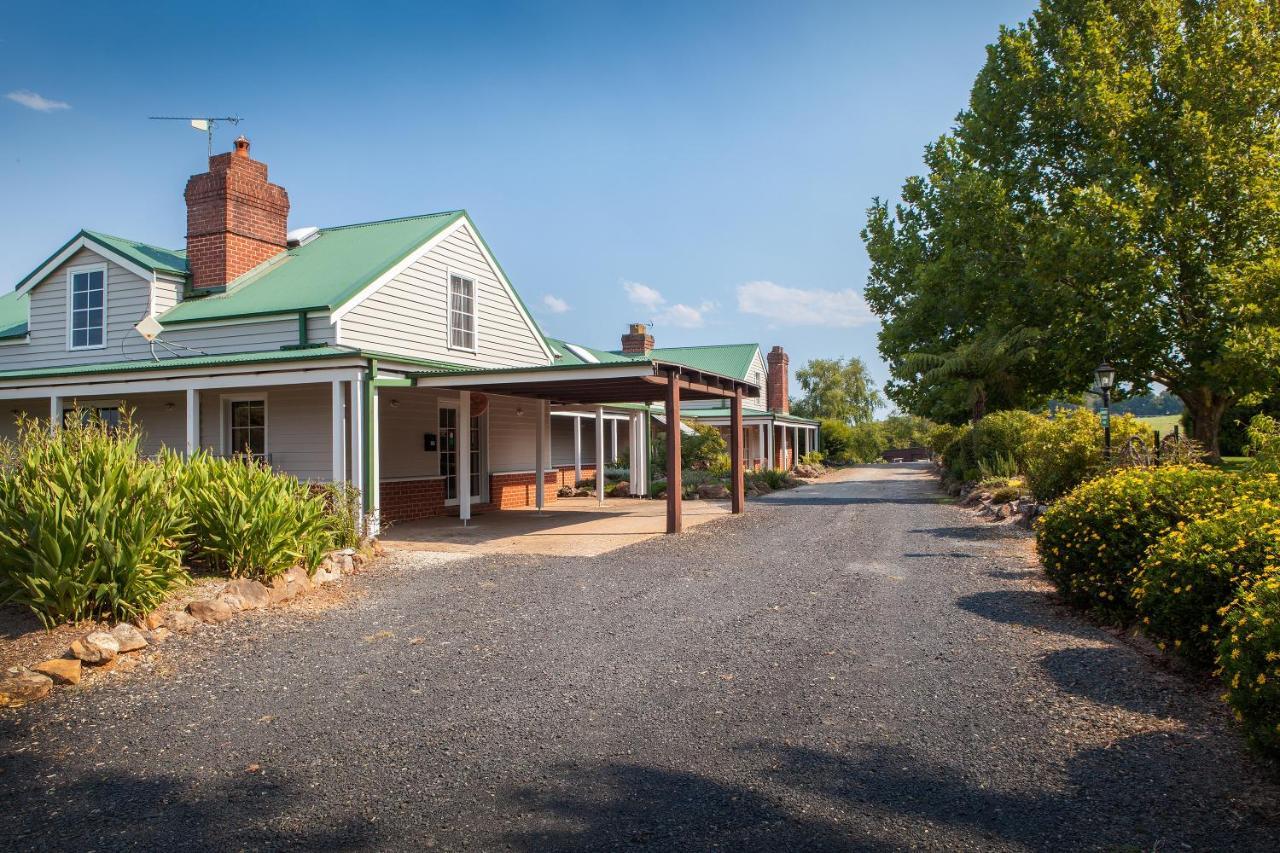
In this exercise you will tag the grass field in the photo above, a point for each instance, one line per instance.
(1164, 423)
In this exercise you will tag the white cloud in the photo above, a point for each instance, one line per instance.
(643, 294)
(793, 306)
(39, 103)
(555, 304)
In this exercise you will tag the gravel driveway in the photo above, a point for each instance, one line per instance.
(854, 665)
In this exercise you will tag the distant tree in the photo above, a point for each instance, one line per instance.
(836, 388)
(1114, 183)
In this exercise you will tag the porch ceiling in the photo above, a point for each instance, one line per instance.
(638, 382)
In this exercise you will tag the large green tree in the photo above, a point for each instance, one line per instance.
(1114, 184)
(837, 388)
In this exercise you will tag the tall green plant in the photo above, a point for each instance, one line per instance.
(88, 528)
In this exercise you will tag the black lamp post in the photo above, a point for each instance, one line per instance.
(1106, 380)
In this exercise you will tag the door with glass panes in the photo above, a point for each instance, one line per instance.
(449, 455)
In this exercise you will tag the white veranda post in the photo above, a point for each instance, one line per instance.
(540, 455)
(600, 455)
(193, 421)
(464, 456)
(577, 451)
(337, 409)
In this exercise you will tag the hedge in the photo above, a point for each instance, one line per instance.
(1249, 662)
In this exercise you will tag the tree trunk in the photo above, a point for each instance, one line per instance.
(1206, 409)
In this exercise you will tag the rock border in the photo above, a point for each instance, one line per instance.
(103, 651)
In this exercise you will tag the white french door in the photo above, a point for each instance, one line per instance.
(448, 441)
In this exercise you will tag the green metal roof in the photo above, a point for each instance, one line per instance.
(568, 356)
(747, 412)
(726, 359)
(13, 315)
(153, 258)
(183, 361)
(319, 275)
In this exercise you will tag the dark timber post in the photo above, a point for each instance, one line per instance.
(735, 450)
(674, 487)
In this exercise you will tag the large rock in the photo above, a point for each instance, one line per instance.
(26, 686)
(210, 610)
(95, 647)
(180, 620)
(248, 594)
(61, 670)
(622, 489)
(151, 621)
(326, 573)
(128, 637)
(289, 585)
(713, 491)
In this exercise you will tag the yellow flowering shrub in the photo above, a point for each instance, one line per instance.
(1059, 454)
(1249, 662)
(1193, 571)
(1091, 540)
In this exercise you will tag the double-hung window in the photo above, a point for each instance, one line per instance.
(462, 312)
(87, 317)
(248, 433)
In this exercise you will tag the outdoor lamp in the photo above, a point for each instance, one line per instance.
(1106, 376)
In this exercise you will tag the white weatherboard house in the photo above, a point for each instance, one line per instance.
(394, 355)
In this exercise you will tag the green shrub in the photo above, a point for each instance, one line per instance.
(247, 520)
(1193, 571)
(1249, 661)
(940, 436)
(813, 457)
(87, 527)
(958, 457)
(701, 449)
(868, 441)
(1091, 540)
(1060, 453)
(721, 466)
(837, 440)
(772, 478)
(1264, 444)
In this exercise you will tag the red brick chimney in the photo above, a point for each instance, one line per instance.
(235, 218)
(637, 341)
(776, 397)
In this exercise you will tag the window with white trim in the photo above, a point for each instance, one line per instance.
(88, 294)
(462, 312)
(248, 428)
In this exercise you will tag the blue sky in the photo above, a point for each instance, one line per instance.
(705, 166)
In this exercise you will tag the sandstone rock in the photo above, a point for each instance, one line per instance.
(581, 493)
(151, 621)
(26, 686)
(162, 634)
(61, 670)
(326, 573)
(298, 575)
(96, 647)
(565, 491)
(210, 610)
(1003, 511)
(251, 594)
(180, 620)
(622, 489)
(282, 590)
(128, 637)
(713, 491)
(350, 563)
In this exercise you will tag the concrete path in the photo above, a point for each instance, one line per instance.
(854, 665)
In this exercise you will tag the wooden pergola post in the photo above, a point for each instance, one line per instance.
(735, 451)
(674, 487)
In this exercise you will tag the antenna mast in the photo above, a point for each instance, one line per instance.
(205, 123)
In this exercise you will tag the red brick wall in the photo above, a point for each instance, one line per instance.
(567, 477)
(405, 500)
(236, 219)
(507, 491)
(776, 394)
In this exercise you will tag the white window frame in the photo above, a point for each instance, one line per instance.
(224, 421)
(450, 274)
(92, 405)
(84, 269)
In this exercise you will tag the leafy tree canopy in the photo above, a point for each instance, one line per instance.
(1114, 184)
(838, 389)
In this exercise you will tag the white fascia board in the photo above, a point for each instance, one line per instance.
(217, 377)
(98, 249)
(534, 374)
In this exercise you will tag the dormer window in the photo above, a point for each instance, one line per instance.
(87, 312)
(462, 312)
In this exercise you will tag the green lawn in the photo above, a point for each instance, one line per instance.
(1164, 423)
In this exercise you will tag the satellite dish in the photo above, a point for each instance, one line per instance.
(149, 327)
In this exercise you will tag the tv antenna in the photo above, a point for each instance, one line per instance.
(205, 123)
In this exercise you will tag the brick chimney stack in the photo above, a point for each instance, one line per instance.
(235, 218)
(776, 396)
(637, 341)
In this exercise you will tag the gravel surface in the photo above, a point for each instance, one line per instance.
(854, 665)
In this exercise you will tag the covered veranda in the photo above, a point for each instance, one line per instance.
(597, 386)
